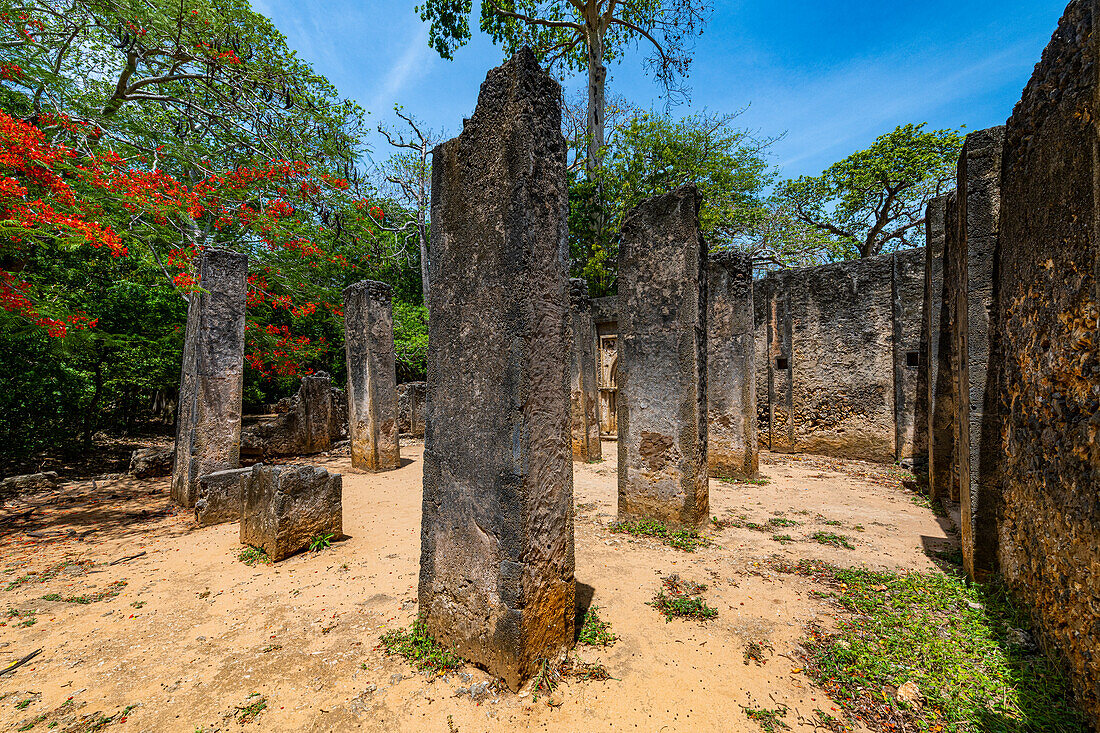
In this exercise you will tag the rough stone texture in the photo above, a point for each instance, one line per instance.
(605, 317)
(732, 446)
(372, 376)
(285, 507)
(1046, 306)
(151, 462)
(208, 426)
(936, 462)
(979, 201)
(908, 295)
(309, 422)
(220, 495)
(828, 342)
(584, 401)
(662, 374)
(944, 484)
(496, 564)
(411, 401)
(28, 483)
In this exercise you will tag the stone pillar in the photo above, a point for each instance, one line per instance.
(584, 400)
(316, 395)
(208, 425)
(944, 423)
(930, 348)
(731, 367)
(979, 205)
(663, 362)
(496, 562)
(283, 508)
(372, 376)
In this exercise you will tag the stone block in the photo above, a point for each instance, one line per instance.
(412, 399)
(496, 562)
(372, 376)
(584, 398)
(208, 426)
(935, 463)
(731, 369)
(28, 483)
(151, 462)
(285, 507)
(220, 496)
(662, 367)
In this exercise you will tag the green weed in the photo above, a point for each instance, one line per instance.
(594, 630)
(251, 710)
(680, 598)
(112, 590)
(321, 542)
(253, 555)
(833, 539)
(687, 540)
(769, 720)
(419, 648)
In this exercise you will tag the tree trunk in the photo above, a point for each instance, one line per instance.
(597, 79)
(421, 222)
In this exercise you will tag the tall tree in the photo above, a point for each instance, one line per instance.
(578, 35)
(408, 173)
(875, 198)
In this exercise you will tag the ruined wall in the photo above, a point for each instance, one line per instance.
(931, 303)
(834, 346)
(978, 207)
(925, 450)
(1048, 277)
(943, 481)
(583, 386)
(732, 446)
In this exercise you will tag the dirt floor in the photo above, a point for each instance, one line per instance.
(188, 635)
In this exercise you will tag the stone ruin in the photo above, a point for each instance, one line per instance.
(583, 386)
(496, 564)
(663, 362)
(208, 426)
(312, 421)
(372, 376)
(283, 508)
(412, 398)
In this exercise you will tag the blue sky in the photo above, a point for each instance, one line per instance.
(832, 75)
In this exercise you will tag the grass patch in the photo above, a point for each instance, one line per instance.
(574, 666)
(757, 651)
(321, 542)
(110, 591)
(783, 539)
(833, 539)
(958, 644)
(251, 710)
(783, 522)
(26, 618)
(833, 522)
(680, 598)
(51, 572)
(687, 540)
(769, 720)
(419, 649)
(252, 555)
(595, 631)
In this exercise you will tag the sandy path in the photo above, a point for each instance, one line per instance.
(194, 631)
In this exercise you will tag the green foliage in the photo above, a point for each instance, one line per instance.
(959, 643)
(873, 201)
(687, 540)
(680, 598)
(321, 542)
(112, 590)
(410, 339)
(248, 712)
(769, 719)
(595, 631)
(833, 539)
(252, 555)
(419, 648)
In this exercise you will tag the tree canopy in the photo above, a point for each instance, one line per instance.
(874, 200)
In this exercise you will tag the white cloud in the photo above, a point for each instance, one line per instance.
(413, 63)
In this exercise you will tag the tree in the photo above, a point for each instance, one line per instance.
(409, 174)
(778, 239)
(875, 198)
(579, 34)
(654, 154)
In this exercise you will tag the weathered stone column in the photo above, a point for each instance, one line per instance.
(208, 426)
(944, 412)
(316, 394)
(930, 349)
(584, 399)
(496, 562)
(731, 367)
(372, 376)
(979, 196)
(663, 362)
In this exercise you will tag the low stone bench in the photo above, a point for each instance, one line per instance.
(284, 507)
(220, 495)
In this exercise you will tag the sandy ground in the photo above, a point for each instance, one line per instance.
(194, 632)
